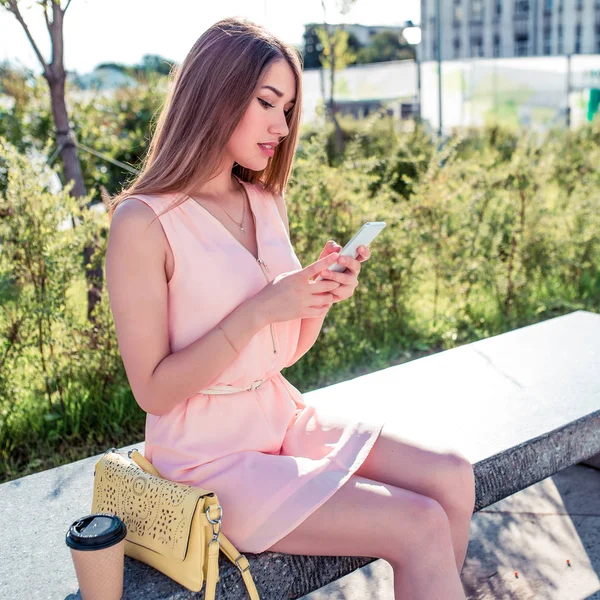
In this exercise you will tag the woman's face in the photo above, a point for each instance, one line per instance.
(264, 119)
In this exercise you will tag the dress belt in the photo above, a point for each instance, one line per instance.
(231, 389)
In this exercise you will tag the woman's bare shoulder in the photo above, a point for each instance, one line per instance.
(140, 209)
(137, 205)
(135, 221)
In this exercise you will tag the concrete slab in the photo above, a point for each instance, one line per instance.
(546, 373)
(521, 406)
(533, 532)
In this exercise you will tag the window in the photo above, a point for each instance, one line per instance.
(521, 44)
(477, 10)
(456, 47)
(457, 15)
(476, 46)
(497, 46)
(498, 7)
(547, 41)
(522, 7)
(560, 48)
(548, 6)
(578, 38)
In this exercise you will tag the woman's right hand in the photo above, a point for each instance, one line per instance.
(293, 295)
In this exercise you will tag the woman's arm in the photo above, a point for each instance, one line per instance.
(137, 286)
(309, 332)
(310, 328)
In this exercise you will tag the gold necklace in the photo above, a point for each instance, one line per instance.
(241, 224)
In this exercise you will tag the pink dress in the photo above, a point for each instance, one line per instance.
(271, 458)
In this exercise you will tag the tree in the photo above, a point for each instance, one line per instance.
(55, 75)
(336, 56)
(384, 46)
(155, 63)
(312, 47)
(312, 50)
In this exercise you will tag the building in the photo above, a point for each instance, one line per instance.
(363, 89)
(509, 28)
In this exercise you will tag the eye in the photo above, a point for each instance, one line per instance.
(265, 104)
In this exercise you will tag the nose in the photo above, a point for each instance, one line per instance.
(280, 127)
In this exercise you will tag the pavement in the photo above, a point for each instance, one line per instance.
(519, 547)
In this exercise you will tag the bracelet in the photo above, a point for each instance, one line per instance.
(227, 338)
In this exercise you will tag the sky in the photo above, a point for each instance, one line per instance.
(122, 31)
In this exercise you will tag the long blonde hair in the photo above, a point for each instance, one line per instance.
(208, 96)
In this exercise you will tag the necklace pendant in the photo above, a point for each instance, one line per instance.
(242, 229)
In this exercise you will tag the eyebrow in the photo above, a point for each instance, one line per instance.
(280, 94)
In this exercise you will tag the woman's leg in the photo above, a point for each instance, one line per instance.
(369, 518)
(444, 475)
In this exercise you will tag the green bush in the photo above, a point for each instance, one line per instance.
(496, 230)
(62, 385)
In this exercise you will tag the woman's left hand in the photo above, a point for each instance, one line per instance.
(348, 280)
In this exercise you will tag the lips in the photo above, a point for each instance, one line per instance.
(267, 149)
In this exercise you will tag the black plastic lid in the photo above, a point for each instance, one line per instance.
(96, 532)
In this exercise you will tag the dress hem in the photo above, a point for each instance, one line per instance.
(245, 544)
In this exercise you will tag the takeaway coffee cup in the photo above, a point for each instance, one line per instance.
(97, 545)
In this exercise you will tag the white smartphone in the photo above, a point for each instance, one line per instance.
(363, 237)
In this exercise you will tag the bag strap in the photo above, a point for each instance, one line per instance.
(222, 543)
(239, 560)
(144, 463)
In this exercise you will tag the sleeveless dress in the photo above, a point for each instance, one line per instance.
(271, 458)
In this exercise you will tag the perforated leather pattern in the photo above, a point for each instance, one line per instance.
(157, 512)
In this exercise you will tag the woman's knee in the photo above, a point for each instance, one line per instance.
(422, 527)
(457, 480)
(368, 518)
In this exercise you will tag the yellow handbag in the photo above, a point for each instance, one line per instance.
(172, 527)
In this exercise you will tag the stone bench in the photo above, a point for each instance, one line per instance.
(521, 406)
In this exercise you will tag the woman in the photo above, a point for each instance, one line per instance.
(210, 303)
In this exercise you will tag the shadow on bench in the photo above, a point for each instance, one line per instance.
(522, 406)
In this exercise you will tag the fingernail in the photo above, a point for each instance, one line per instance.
(342, 261)
(326, 272)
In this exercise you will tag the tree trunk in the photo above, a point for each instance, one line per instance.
(55, 75)
(72, 171)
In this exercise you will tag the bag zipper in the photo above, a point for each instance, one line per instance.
(264, 269)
